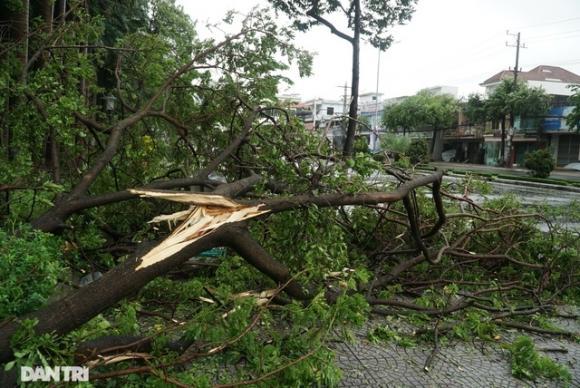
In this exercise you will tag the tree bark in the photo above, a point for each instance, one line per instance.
(72, 311)
(353, 110)
(69, 313)
(47, 12)
(502, 150)
(437, 145)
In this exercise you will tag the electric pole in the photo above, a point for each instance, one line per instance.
(344, 98)
(345, 87)
(508, 161)
(518, 45)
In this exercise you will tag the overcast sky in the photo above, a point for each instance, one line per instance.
(447, 42)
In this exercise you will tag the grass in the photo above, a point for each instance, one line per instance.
(492, 176)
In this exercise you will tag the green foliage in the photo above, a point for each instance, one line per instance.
(475, 324)
(573, 118)
(32, 349)
(528, 364)
(395, 143)
(383, 333)
(377, 17)
(422, 110)
(30, 266)
(418, 151)
(516, 99)
(540, 162)
(475, 109)
(361, 145)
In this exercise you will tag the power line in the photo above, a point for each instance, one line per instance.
(549, 23)
(553, 34)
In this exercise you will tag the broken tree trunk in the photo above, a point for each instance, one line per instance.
(212, 220)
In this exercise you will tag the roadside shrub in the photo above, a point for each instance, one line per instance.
(540, 162)
(361, 145)
(29, 269)
(526, 363)
(418, 151)
(395, 144)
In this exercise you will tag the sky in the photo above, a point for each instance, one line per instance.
(447, 42)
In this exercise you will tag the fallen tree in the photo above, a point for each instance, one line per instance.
(212, 222)
(313, 240)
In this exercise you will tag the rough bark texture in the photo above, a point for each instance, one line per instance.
(122, 281)
(437, 145)
(72, 311)
(353, 110)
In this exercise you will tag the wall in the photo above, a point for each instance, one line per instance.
(556, 88)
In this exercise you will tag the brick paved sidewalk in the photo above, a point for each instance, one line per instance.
(460, 364)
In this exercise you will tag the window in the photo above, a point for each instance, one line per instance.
(330, 110)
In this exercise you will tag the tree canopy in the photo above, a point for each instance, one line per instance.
(424, 111)
(509, 100)
(573, 119)
(367, 19)
(165, 220)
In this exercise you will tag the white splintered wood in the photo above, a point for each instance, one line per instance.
(191, 198)
(208, 213)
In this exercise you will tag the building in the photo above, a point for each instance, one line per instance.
(370, 110)
(329, 118)
(550, 129)
(319, 112)
(443, 89)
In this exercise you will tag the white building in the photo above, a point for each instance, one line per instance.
(557, 82)
(443, 90)
(318, 112)
(371, 106)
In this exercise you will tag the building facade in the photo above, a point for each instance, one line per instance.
(549, 130)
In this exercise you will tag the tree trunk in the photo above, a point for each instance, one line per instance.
(437, 145)
(122, 281)
(61, 11)
(47, 12)
(502, 149)
(20, 28)
(353, 110)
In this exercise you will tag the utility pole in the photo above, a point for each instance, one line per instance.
(344, 98)
(518, 45)
(377, 91)
(376, 126)
(345, 87)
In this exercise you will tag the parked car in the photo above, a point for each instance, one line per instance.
(573, 166)
(449, 155)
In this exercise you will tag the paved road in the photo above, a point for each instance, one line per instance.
(570, 175)
(460, 364)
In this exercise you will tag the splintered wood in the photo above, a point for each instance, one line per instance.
(207, 213)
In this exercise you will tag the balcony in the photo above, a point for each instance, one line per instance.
(466, 131)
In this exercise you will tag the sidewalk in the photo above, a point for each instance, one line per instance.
(560, 173)
(458, 364)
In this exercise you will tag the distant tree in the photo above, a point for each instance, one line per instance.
(509, 100)
(530, 103)
(366, 18)
(424, 110)
(573, 119)
(403, 116)
(474, 109)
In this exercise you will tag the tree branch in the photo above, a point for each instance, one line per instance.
(314, 15)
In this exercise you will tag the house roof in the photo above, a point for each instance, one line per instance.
(538, 73)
